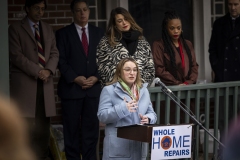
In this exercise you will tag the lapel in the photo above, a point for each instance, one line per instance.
(76, 39)
(228, 34)
(227, 28)
(91, 32)
(44, 33)
(27, 28)
(236, 30)
(179, 69)
(177, 58)
(144, 86)
(120, 92)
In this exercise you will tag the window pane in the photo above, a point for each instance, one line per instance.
(92, 13)
(92, 23)
(101, 9)
(149, 15)
(91, 2)
(218, 9)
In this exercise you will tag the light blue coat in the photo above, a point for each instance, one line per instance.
(114, 113)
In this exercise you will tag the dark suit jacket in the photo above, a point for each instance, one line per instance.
(224, 49)
(73, 62)
(24, 66)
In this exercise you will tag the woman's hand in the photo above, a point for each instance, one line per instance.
(131, 106)
(144, 119)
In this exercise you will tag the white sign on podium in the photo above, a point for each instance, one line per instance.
(171, 142)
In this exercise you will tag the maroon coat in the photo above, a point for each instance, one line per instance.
(163, 68)
(24, 67)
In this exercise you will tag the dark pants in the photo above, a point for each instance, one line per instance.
(40, 127)
(80, 113)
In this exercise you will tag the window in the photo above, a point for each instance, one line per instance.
(217, 9)
(149, 15)
(98, 13)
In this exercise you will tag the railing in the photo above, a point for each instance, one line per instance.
(203, 98)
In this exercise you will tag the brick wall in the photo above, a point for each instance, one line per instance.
(58, 15)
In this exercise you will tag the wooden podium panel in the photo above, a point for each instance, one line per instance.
(136, 132)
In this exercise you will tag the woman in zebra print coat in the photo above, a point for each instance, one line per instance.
(124, 38)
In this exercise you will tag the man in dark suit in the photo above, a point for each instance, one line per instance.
(34, 59)
(224, 49)
(79, 87)
(224, 46)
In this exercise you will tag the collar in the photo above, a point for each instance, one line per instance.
(80, 27)
(31, 22)
(234, 18)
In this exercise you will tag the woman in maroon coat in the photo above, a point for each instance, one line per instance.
(174, 57)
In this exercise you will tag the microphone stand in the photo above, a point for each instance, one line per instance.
(192, 117)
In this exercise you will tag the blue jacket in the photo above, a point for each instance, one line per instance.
(114, 113)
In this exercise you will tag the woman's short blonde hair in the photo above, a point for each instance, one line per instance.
(119, 72)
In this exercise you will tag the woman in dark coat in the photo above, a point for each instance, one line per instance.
(174, 57)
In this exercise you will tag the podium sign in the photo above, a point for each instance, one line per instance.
(171, 142)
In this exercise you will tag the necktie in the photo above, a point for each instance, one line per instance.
(233, 23)
(41, 57)
(84, 41)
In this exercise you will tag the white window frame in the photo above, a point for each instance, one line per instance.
(202, 34)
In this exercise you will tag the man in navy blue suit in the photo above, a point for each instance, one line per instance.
(79, 87)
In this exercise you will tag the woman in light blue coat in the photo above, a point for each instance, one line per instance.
(125, 101)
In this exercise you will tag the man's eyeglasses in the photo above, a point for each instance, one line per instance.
(129, 70)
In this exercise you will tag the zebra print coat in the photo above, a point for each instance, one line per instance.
(108, 57)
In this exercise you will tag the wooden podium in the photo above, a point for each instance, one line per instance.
(168, 141)
(136, 132)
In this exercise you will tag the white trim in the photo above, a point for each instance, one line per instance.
(123, 3)
(4, 56)
(202, 34)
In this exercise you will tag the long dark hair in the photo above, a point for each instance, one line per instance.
(168, 44)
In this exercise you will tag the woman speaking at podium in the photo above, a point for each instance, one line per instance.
(125, 101)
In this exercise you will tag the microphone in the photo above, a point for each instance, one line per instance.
(158, 81)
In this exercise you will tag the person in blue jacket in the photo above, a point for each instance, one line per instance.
(125, 101)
